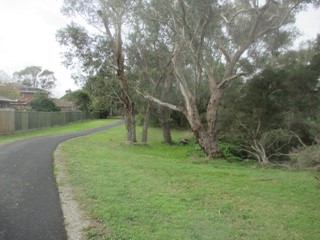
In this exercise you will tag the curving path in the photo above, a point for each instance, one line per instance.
(29, 200)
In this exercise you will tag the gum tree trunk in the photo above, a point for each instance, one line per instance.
(129, 107)
(146, 123)
(165, 124)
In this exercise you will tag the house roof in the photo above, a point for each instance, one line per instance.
(5, 99)
(23, 88)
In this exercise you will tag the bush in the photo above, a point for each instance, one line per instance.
(195, 150)
(308, 157)
(42, 103)
(230, 151)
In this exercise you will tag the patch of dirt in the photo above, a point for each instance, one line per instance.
(76, 222)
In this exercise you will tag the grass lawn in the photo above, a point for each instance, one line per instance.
(165, 192)
(71, 127)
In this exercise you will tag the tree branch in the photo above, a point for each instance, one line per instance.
(164, 104)
(225, 53)
(106, 26)
(227, 80)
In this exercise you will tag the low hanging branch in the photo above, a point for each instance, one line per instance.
(164, 104)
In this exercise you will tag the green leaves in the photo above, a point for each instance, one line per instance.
(42, 103)
(34, 76)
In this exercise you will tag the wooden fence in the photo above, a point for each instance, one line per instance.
(12, 121)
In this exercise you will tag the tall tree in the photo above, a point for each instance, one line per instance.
(28, 76)
(46, 80)
(210, 40)
(4, 77)
(34, 76)
(108, 16)
(150, 59)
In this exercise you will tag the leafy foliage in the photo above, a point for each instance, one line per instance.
(80, 98)
(42, 103)
(34, 76)
(276, 111)
(307, 158)
(9, 91)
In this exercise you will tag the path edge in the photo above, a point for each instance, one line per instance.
(75, 220)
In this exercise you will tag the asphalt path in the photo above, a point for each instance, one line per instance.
(29, 200)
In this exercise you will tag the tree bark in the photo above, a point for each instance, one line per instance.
(165, 124)
(130, 123)
(129, 108)
(117, 48)
(164, 113)
(205, 136)
(146, 123)
(207, 142)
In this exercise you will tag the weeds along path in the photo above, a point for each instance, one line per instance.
(29, 200)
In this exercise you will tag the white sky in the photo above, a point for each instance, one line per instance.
(27, 37)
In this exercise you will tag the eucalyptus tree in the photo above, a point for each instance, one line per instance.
(28, 76)
(34, 76)
(4, 77)
(46, 80)
(99, 44)
(104, 94)
(210, 41)
(150, 59)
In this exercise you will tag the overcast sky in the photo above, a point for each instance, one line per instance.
(27, 37)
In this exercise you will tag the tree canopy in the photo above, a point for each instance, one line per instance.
(34, 76)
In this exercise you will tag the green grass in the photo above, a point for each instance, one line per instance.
(164, 192)
(72, 127)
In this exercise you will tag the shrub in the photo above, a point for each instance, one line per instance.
(195, 150)
(42, 103)
(230, 151)
(308, 157)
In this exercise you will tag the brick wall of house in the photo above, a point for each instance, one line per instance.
(26, 96)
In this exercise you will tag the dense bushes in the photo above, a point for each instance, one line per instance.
(42, 103)
(275, 113)
(308, 157)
